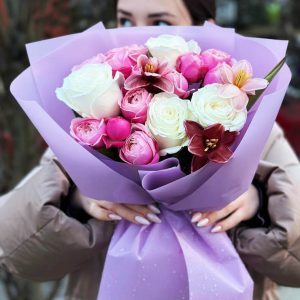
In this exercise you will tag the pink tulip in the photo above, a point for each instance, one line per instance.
(88, 131)
(134, 105)
(140, 148)
(192, 67)
(118, 130)
(98, 59)
(240, 76)
(181, 85)
(213, 76)
(124, 59)
(149, 72)
(213, 57)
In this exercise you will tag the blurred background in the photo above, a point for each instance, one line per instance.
(24, 21)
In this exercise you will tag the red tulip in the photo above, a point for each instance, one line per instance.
(209, 144)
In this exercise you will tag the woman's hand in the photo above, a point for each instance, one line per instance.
(109, 211)
(242, 209)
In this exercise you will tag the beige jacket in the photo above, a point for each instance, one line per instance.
(39, 241)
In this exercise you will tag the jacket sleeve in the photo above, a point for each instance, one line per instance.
(274, 251)
(38, 241)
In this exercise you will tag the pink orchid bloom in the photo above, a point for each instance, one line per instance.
(240, 76)
(150, 72)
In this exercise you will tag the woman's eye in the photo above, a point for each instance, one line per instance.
(161, 23)
(126, 22)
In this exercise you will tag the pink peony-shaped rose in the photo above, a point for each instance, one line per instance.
(98, 59)
(192, 67)
(213, 57)
(125, 58)
(88, 131)
(181, 85)
(118, 129)
(140, 148)
(134, 105)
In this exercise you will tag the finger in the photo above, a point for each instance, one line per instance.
(197, 216)
(229, 223)
(145, 212)
(125, 212)
(216, 216)
(102, 214)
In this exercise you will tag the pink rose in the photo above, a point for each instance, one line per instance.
(140, 148)
(213, 76)
(213, 57)
(118, 130)
(88, 131)
(181, 85)
(134, 105)
(98, 59)
(124, 59)
(192, 67)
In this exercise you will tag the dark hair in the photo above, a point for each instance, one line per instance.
(201, 10)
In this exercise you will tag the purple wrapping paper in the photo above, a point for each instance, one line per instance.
(174, 259)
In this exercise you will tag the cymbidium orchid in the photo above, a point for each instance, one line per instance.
(150, 72)
(209, 144)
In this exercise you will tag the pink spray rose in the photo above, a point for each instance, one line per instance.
(140, 148)
(192, 66)
(213, 57)
(88, 131)
(134, 105)
(98, 59)
(118, 129)
(181, 85)
(125, 58)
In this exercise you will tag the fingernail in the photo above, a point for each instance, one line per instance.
(202, 223)
(216, 229)
(154, 218)
(115, 217)
(196, 218)
(154, 209)
(142, 220)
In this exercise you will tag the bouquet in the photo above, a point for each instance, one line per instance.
(173, 116)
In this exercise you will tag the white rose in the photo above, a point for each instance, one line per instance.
(209, 107)
(166, 116)
(169, 47)
(92, 91)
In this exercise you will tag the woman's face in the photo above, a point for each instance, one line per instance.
(152, 13)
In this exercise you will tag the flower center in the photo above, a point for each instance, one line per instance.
(241, 78)
(210, 144)
(150, 68)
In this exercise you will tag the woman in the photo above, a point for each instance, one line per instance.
(56, 231)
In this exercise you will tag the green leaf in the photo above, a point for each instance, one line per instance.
(269, 77)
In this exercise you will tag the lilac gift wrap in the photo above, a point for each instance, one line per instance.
(173, 260)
